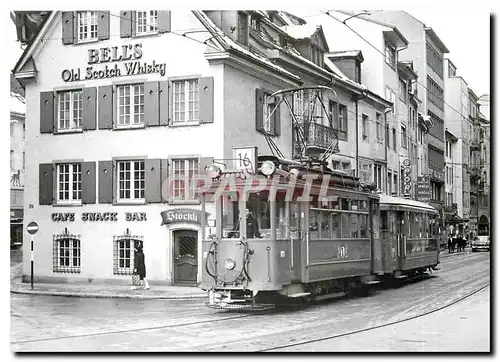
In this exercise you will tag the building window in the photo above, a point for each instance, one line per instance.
(395, 183)
(365, 172)
(404, 139)
(437, 129)
(403, 92)
(389, 180)
(268, 108)
(357, 72)
(390, 55)
(346, 166)
(24, 131)
(183, 171)
(70, 110)
(298, 105)
(69, 182)
(336, 165)
(147, 22)
(254, 22)
(452, 71)
(316, 55)
(66, 253)
(12, 160)
(435, 93)
(365, 126)
(123, 252)
(387, 139)
(390, 95)
(24, 160)
(87, 25)
(186, 101)
(394, 139)
(130, 105)
(377, 176)
(131, 181)
(378, 117)
(434, 60)
(342, 122)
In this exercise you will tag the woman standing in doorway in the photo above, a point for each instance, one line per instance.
(139, 265)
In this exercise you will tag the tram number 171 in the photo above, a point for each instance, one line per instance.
(342, 251)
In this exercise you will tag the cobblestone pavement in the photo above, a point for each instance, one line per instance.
(50, 323)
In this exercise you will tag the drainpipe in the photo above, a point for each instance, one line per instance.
(357, 98)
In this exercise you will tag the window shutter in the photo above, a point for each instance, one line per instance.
(68, 27)
(46, 112)
(206, 99)
(89, 108)
(45, 188)
(164, 102)
(103, 25)
(259, 105)
(204, 162)
(164, 21)
(151, 109)
(152, 176)
(277, 121)
(88, 182)
(126, 23)
(106, 107)
(164, 180)
(106, 182)
(170, 102)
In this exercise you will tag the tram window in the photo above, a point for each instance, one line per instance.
(363, 205)
(354, 205)
(335, 226)
(260, 207)
(294, 220)
(354, 225)
(230, 215)
(344, 204)
(363, 226)
(345, 225)
(282, 220)
(324, 222)
(313, 224)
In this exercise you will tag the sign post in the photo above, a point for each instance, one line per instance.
(32, 230)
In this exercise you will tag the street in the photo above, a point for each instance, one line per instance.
(459, 289)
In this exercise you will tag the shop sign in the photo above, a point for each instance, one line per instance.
(406, 178)
(98, 216)
(112, 62)
(439, 175)
(424, 189)
(182, 216)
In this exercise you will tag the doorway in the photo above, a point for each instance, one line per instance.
(185, 257)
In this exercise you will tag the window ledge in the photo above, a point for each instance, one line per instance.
(129, 127)
(145, 35)
(185, 202)
(129, 202)
(69, 131)
(185, 124)
(87, 41)
(67, 204)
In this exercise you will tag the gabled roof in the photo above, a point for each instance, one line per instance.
(306, 31)
(346, 54)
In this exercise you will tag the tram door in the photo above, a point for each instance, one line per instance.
(401, 236)
(297, 228)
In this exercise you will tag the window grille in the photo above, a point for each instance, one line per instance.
(123, 252)
(66, 252)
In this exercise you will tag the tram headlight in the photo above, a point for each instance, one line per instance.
(213, 171)
(229, 264)
(268, 168)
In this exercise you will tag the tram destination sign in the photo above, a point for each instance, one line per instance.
(112, 62)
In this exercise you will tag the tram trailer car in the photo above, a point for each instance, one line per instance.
(308, 250)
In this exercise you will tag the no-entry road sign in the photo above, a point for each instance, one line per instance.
(32, 227)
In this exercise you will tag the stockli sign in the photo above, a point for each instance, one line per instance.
(112, 62)
(182, 216)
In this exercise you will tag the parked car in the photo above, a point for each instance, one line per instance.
(481, 242)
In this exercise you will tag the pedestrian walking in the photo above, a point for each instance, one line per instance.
(139, 265)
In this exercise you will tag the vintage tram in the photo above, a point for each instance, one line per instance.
(296, 230)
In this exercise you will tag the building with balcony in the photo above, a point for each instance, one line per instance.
(484, 189)
(457, 123)
(426, 50)
(17, 105)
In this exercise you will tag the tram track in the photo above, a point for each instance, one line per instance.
(220, 318)
(350, 333)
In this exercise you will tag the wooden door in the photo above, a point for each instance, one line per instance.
(185, 257)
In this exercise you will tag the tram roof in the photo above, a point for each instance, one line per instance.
(405, 203)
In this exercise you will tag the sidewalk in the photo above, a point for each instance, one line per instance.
(100, 290)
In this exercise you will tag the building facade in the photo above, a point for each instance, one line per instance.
(17, 105)
(427, 51)
(484, 190)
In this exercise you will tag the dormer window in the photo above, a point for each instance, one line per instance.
(316, 55)
(357, 72)
(255, 23)
(390, 55)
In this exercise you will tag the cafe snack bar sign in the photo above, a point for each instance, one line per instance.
(112, 62)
